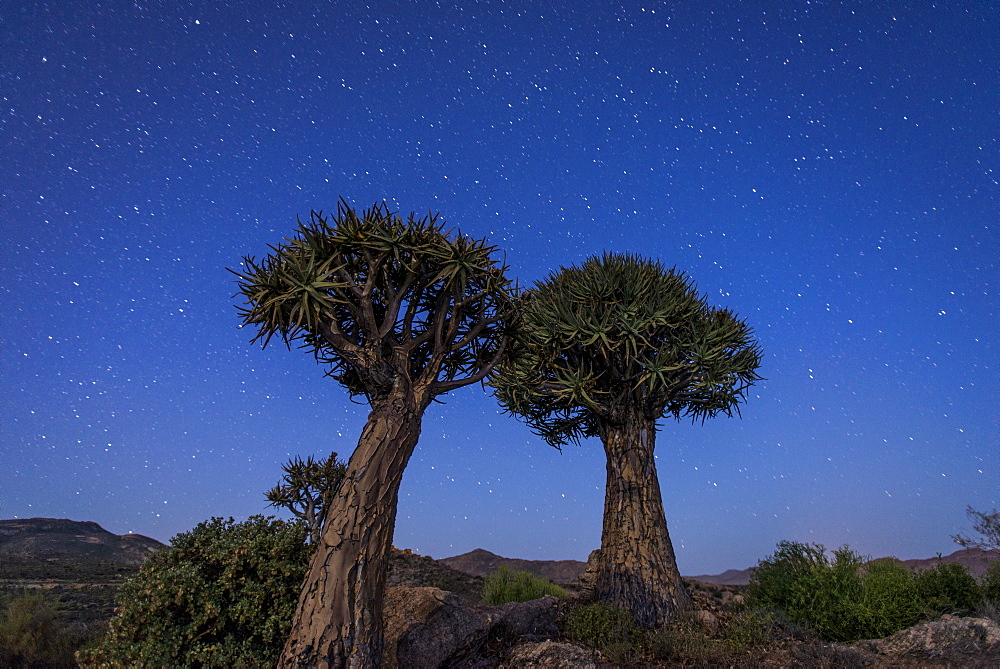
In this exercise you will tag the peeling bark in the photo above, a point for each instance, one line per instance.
(636, 569)
(338, 620)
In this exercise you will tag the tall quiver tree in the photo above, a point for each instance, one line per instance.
(402, 311)
(606, 350)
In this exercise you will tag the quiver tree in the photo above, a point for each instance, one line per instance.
(401, 311)
(307, 488)
(606, 350)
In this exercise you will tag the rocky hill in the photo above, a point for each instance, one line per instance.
(728, 577)
(407, 569)
(976, 560)
(79, 565)
(482, 562)
(54, 544)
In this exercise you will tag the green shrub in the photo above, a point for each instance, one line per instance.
(847, 600)
(31, 636)
(603, 627)
(890, 599)
(948, 588)
(517, 586)
(223, 595)
(800, 580)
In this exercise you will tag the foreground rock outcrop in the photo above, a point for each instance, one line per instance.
(949, 636)
(551, 655)
(428, 627)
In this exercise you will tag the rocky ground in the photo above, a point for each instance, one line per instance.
(428, 627)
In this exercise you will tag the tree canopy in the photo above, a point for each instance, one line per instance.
(622, 333)
(380, 298)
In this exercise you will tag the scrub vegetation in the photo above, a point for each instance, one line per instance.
(507, 585)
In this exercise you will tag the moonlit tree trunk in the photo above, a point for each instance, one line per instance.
(636, 569)
(338, 620)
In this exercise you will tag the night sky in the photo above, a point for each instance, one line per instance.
(825, 169)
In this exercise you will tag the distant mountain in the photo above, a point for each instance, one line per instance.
(728, 577)
(482, 562)
(56, 540)
(976, 560)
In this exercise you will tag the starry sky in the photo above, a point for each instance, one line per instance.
(825, 169)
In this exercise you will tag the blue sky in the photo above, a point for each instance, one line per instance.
(825, 169)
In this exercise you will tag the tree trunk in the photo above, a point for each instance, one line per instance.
(636, 568)
(338, 620)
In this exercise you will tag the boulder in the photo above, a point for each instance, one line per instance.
(708, 621)
(428, 627)
(528, 621)
(946, 636)
(550, 654)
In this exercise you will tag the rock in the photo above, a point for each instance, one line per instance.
(428, 627)
(950, 634)
(529, 621)
(550, 654)
(708, 621)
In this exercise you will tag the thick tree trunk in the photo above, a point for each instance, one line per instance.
(338, 620)
(636, 568)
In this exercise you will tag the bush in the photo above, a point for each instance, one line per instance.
(948, 588)
(31, 636)
(847, 600)
(890, 599)
(223, 595)
(517, 586)
(800, 580)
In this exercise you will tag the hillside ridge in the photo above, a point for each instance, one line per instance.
(480, 562)
(65, 540)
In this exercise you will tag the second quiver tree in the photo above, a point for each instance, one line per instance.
(307, 488)
(606, 350)
(402, 311)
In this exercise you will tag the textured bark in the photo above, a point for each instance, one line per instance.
(636, 568)
(338, 620)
